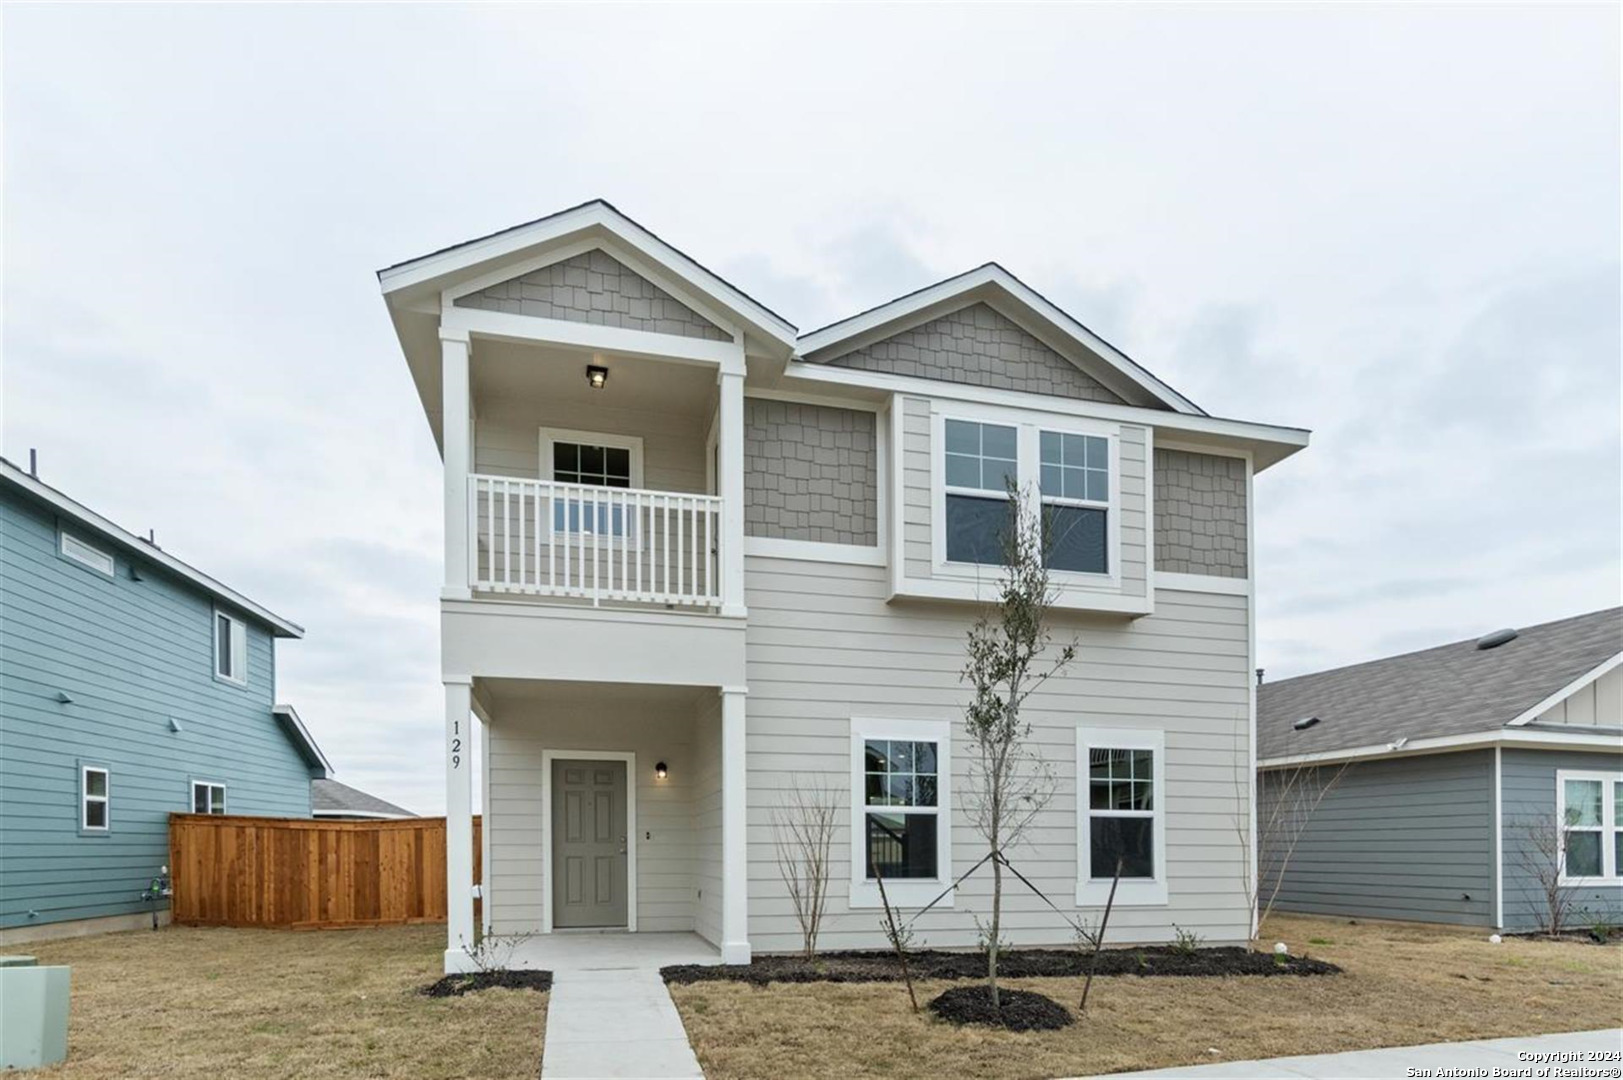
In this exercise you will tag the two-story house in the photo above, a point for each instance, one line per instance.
(694, 558)
(132, 687)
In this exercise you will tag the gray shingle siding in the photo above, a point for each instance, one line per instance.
(594, 287)
(977, 346)
(811, 472)
(1410, 839)
(1200, 514)
(1528, 778)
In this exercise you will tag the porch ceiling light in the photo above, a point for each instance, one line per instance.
(597, 376)
(660, 771)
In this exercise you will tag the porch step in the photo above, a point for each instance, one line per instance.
(614, 1022)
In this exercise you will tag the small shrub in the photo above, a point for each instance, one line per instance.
(1186, 942)
(1603, 929)
(1320, 941)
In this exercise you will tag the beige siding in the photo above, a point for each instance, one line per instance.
(1600, 704)
(824, 646)
(1134, 510)
(916, 522)
(665, 839)
(507, 442)
(707, 820)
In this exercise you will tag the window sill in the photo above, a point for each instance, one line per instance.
(910, 895)
(240, 684)
(1137, 893)
(1590, 882)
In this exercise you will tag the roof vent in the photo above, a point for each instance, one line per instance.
(1495, 639)
(1305, 722)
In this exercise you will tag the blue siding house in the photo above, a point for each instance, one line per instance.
(1478, 783)
(132, 686)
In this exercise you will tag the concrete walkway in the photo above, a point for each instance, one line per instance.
(609, 1014)
(1397, 1061)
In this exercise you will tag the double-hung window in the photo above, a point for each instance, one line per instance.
(1062, 470)
(1121, 815)
(1590, 808)
(208, 798)
(230, 648)
(901, 780)
(603, 461)
(95, 799)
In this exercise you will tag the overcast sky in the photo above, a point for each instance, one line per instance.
(1396, 226)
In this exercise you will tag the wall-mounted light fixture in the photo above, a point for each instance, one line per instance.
(597, 376)
(660, 771)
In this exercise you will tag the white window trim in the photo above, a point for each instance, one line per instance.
(1028, 429)
(1611, 873)
(1135, 892)
(210, 784)
(239, 649)
(85, 799)
(549, 436)
(914, 892)
(87, 555)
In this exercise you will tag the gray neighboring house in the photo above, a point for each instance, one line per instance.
(1457, 757)
(339, 802)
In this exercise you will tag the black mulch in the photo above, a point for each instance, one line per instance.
(1018, 1010)
(877, 966)
(457, 985)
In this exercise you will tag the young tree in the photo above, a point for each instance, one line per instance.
(1008, 784)
(1287, 799)
(1538, 849)
(803, 832)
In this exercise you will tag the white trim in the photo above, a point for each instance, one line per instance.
(89, 556)
(363, 815)
(988, 283)
(1611, 874)
(94, 521)
(1279, 442)
(1568, 690)
(290, 715)
(85, 799)
(1135, 892)
(771, 547)
(238, 675)
(610, 222)
(1602, 740)
(1253, 868)
(549, 436)
(210, 784)
(1498, 837)
(896, 510)
(592, 338)
(1149, 513)
(630, 759)
(984, 590)
(1203, 583)
(912, 893)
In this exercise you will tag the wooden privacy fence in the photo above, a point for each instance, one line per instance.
(308, 874)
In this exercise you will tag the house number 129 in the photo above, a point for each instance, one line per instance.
(456, 744)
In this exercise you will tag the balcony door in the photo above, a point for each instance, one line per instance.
(589, 844)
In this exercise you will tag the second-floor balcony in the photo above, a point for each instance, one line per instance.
(621, 545)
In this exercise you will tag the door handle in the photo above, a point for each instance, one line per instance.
(622, 845)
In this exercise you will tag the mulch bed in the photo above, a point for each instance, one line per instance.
(1019, 1010)
(878, 966)
(470, 982)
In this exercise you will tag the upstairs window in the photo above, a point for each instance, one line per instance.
(76, 550)
(230, 649)
(95, 798)
(1075, 485)
(603, 461)
(982, 460)
(207, 798)
(1590, 809)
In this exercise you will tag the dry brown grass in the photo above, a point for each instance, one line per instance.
(191, 1002)
(1403, 984)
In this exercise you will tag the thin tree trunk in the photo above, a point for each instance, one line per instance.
(997, 913)
(1099, 942)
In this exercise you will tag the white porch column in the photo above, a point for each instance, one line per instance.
(458, 823)
(730, 443)
(735, 939)
(454, 433)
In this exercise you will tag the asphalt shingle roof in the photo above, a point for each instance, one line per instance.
(1454, 689)
(332, 797)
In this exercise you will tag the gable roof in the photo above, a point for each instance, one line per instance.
(287, 717)
(1451, 690)
(992, 284)
(329, 798)
(92, 522)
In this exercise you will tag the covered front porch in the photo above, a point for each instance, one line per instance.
(613, 819)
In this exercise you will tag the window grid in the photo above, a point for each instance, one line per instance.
(1591, 820)
(94, 799)
(208, 798)
(1074, 468)
(900, 819)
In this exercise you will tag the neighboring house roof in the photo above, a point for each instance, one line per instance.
(329, 798)
(288, 718)
(1444, 694)
(93, 522)
(989, 281)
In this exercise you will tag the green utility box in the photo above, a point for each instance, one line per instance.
(33, 1013)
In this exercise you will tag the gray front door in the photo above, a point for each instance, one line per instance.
(588, 843)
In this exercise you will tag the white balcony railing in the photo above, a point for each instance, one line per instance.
(546, 538)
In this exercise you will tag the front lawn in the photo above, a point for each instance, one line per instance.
(1402, 984)
(195, 1002)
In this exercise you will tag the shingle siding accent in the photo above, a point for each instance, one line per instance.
(595, 287)
(977, 346)
(811, 472)
(1200, 514)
